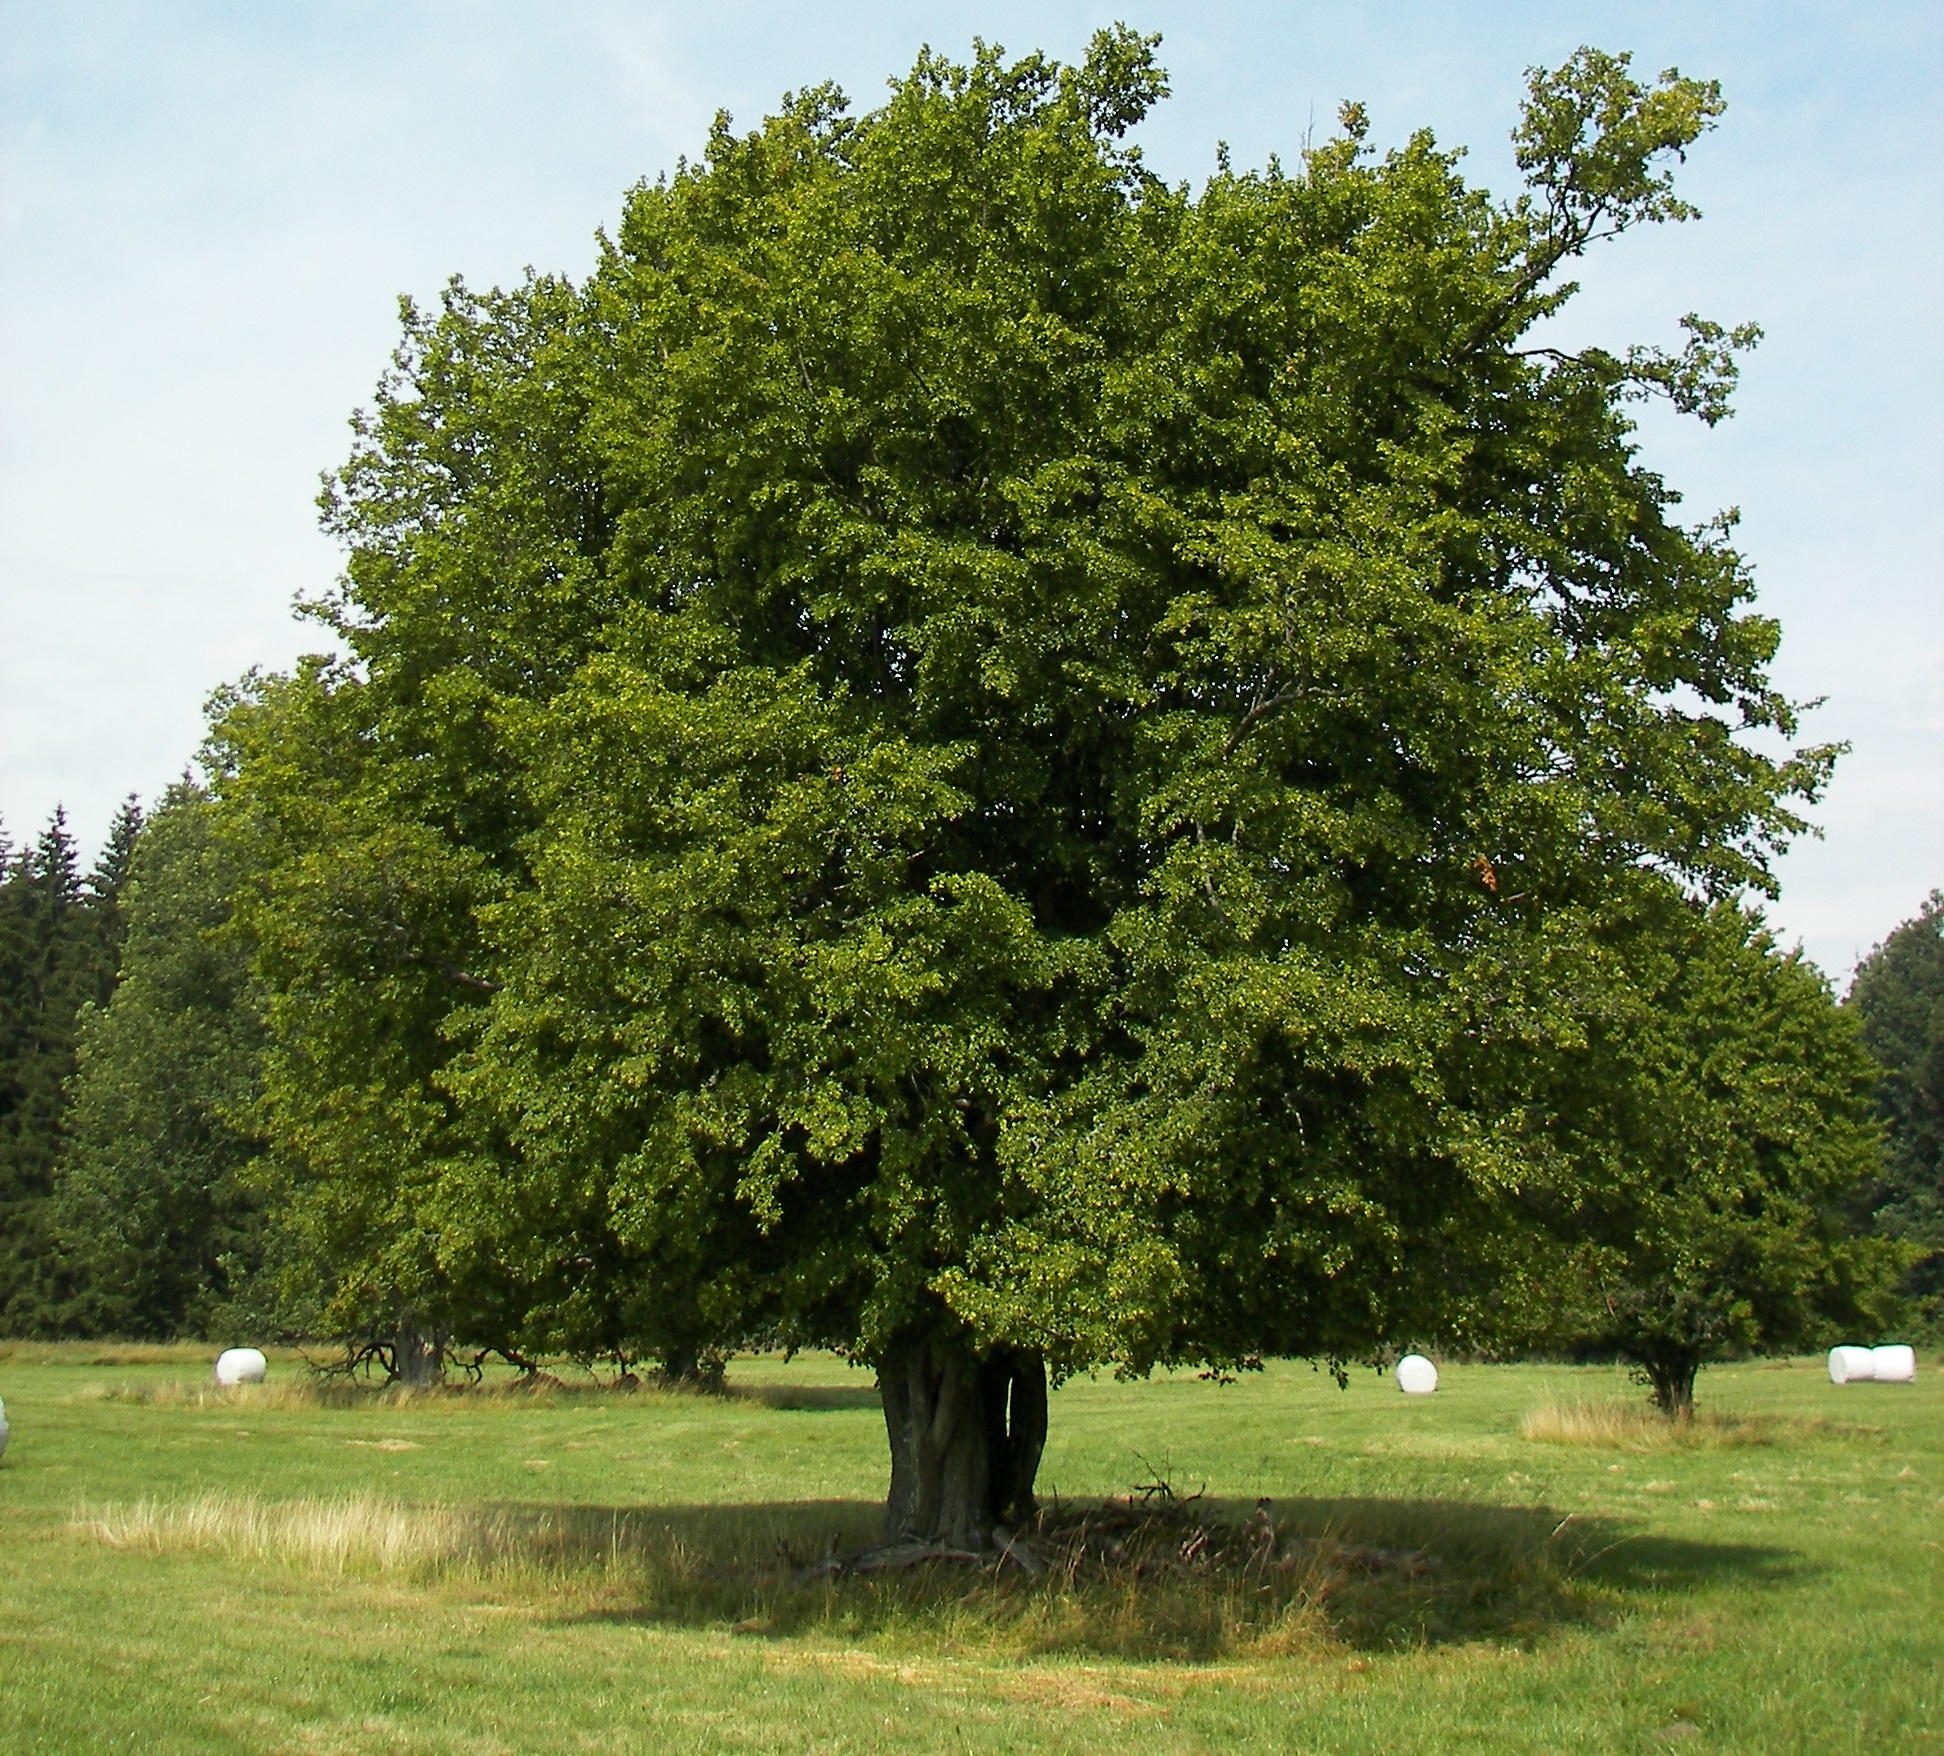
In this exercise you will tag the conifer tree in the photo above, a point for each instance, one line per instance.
(60, 939)
(103, 893)
(152, 1212)
(1898, 997)
(19, 1044)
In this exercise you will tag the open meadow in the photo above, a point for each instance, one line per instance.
(284, 1569)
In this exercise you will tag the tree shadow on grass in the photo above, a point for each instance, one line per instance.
(1186, 1580)
(1143, 1578)
(810, 1398)
(1508, 1574)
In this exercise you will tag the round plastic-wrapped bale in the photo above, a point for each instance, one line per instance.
(1416, 1376)
(1851, 1365)
(3, 1429)
(240, 1365)
(1893, 1363)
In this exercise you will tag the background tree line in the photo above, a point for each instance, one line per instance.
(61, 935)
(135, 1031)
(128, 1070)
(969, 757)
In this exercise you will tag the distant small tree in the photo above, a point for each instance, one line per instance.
(1898, 998)
(151, 1207)
(1704, 1148)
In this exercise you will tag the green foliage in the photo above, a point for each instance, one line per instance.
(60, 939)
(962, 743)
(151, 1207)
(1898, 997)
(1701, 1154)
(1595, 145)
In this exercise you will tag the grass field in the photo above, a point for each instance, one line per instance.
(590, 1571)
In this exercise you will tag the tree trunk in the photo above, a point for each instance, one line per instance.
(1670, 1380)
(1012, 1392)
(688, 1368)
(966, 1436)
(418, 1355)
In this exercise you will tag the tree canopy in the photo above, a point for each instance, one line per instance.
(975, 758)
(1697, 1149)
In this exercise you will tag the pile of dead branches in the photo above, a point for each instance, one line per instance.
(1155, 1534)
(1151, 1535)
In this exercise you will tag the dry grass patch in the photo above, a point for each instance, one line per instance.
(307, 1390)
(280, 1393)
(336, 1535)
(368, 1533)
(1632, 1426)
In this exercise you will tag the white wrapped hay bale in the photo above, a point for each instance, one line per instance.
(3, 1429)
(1893, 1364)
(1851, 1365)
(240, 1365)
(1416, 1376)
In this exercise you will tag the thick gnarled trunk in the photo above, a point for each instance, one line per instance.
(418, 1354)
(690, 1368)
(966, 1435)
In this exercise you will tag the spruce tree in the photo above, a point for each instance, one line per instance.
(43, 901)
(151, 1211)
(19, 1016)
(1898, 996)
(103, 898)
(60, 939)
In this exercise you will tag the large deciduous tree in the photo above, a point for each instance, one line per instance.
(967, 756)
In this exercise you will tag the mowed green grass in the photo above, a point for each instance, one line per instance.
(1782, 1592)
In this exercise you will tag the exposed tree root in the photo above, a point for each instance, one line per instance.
(1007, 1550)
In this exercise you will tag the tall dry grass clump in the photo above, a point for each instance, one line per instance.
(357, 1531)
(320, 1390)
(1635, 1426)
(299, 1393)
(367, 1533)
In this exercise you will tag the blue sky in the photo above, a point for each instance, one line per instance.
(206, 212)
